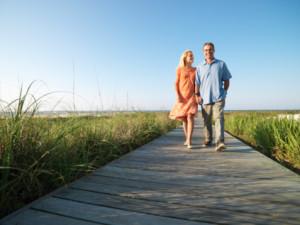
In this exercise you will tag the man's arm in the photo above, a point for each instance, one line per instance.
(197, 91)
(226, 84)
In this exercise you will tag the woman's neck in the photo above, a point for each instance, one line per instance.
(188, 66)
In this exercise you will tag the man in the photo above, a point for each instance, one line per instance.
(212, 77)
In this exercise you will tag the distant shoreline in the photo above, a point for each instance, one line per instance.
(83, 112)
(131, 111)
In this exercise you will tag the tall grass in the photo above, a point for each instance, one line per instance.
(39, 154)
(279, 137)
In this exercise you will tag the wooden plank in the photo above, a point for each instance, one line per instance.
(208, 171)
(170, 186)
(285, 210)
(234, 151)
(33, 217)
(208, 163)
(196, 155)
(179, 211)
(158, 190)
(230, 164)
(169, 144)
(198, 132)
(99, 214)
(167, 140)
(232, 204)
(194, 179)
(258, 190)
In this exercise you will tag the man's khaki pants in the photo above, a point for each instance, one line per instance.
(216, 109)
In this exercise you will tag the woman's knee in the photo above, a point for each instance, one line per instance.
(184, 119)
(190, 117)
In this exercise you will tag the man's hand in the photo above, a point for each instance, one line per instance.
(198, 99)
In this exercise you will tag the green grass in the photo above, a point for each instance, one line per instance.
(40, 154)
(276, 137)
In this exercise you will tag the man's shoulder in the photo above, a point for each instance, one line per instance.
(219, 61)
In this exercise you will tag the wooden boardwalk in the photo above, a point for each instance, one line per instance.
(163, 183)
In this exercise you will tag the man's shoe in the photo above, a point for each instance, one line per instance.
(220, 146)
(206, 143)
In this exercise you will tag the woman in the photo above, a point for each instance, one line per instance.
(185, 108)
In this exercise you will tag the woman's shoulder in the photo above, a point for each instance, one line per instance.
(179, 69)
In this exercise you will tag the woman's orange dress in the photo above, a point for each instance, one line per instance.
(185, 85)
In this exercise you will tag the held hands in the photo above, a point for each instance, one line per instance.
(198, 99)
(181, 100)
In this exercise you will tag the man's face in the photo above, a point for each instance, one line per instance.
(208, 52)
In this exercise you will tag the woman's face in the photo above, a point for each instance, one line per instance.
(189, 58)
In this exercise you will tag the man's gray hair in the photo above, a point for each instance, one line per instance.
(209, 43)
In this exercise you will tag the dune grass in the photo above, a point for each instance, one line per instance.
(276, 137)
(40, 154)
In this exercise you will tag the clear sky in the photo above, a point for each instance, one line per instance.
(121, 53)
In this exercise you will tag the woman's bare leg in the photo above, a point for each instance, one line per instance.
(190, 128)
(185, 127)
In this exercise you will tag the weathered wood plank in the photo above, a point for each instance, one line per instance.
(156, 192)
(275, 174)
(33, 217)
(234, 164)
(194, 179)
(99, 214)
(179, 211)
(183, 187)
(178, 141)
(232, 204)
(208, 157)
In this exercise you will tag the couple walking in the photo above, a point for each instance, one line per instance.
(206, 85)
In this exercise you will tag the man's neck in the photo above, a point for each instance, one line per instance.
(209, 60)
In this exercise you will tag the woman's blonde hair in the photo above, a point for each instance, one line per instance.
(183, 57)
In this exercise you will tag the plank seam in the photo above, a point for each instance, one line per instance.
(118, 208)
(172, 203)
(66, 216)
(188, 194)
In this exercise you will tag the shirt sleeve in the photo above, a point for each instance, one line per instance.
(226, 73)
(197, 79)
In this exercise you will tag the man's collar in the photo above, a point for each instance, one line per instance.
(204, 62)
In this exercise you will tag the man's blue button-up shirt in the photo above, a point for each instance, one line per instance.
(210, 78)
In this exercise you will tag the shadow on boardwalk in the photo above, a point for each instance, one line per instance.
(163, 182)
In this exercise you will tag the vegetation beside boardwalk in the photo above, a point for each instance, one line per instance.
(267, 131)
(40, 154)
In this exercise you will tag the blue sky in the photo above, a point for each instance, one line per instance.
(126, 51)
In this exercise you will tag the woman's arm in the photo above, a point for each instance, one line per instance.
(177, 91)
